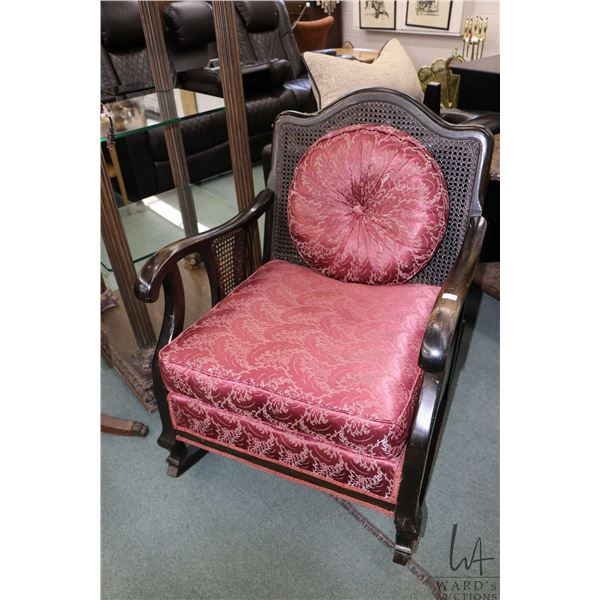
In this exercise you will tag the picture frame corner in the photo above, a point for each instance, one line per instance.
(390, 25)
(442, 25)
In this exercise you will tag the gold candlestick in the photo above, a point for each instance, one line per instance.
(474, 37)
(478, 35)
(484, 35)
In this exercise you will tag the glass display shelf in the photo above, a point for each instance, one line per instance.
(133, 115)
(156, 221)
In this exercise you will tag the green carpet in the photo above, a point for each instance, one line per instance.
(224, 530)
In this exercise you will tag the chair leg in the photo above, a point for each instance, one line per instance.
(407, 538)
(183, 457)
(406, 544)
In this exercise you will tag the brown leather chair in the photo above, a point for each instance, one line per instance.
(312, 35)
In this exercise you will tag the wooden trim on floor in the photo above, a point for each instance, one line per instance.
(118, 426)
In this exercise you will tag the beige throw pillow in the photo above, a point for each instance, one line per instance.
(334, 77)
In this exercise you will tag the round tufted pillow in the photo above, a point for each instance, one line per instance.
(368, 204)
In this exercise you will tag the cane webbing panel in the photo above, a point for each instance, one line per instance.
(228, 253)
(458, 158)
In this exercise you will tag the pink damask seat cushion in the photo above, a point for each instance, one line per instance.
(367, 204)
(310, 357)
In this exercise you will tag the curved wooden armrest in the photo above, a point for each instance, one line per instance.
(150, 278)
(448, 306)
(438, 344)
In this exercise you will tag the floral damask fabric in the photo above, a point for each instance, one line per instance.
(367, 204)
(326, 365)
(371, 476)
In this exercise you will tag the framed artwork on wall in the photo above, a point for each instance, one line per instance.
(429, 14)
(377, 15)
(431, 17)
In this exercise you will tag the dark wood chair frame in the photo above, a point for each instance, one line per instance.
(438, 351)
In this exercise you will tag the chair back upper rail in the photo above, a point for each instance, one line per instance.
(462, 152)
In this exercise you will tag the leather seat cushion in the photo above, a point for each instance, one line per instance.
(308, 355)
(302, 90)
(262, 108)
(367, 204)
(199, 133)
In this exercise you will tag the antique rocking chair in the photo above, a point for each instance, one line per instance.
(330, 364)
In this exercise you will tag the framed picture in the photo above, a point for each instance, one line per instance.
(429, 14)
(377, 15)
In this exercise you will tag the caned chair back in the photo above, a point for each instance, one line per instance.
(463, 154)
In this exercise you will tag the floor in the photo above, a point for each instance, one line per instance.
(226, 531)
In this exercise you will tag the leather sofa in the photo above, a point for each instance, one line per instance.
(274, 76)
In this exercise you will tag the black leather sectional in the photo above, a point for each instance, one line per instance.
(275, 79)
(274, 76)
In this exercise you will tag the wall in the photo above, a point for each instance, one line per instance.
(421, 48)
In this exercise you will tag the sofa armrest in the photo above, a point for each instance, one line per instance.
(268, 75)
(260, 76)
(448, 307)
(488, 119)
(203, 81)
(327, 51)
